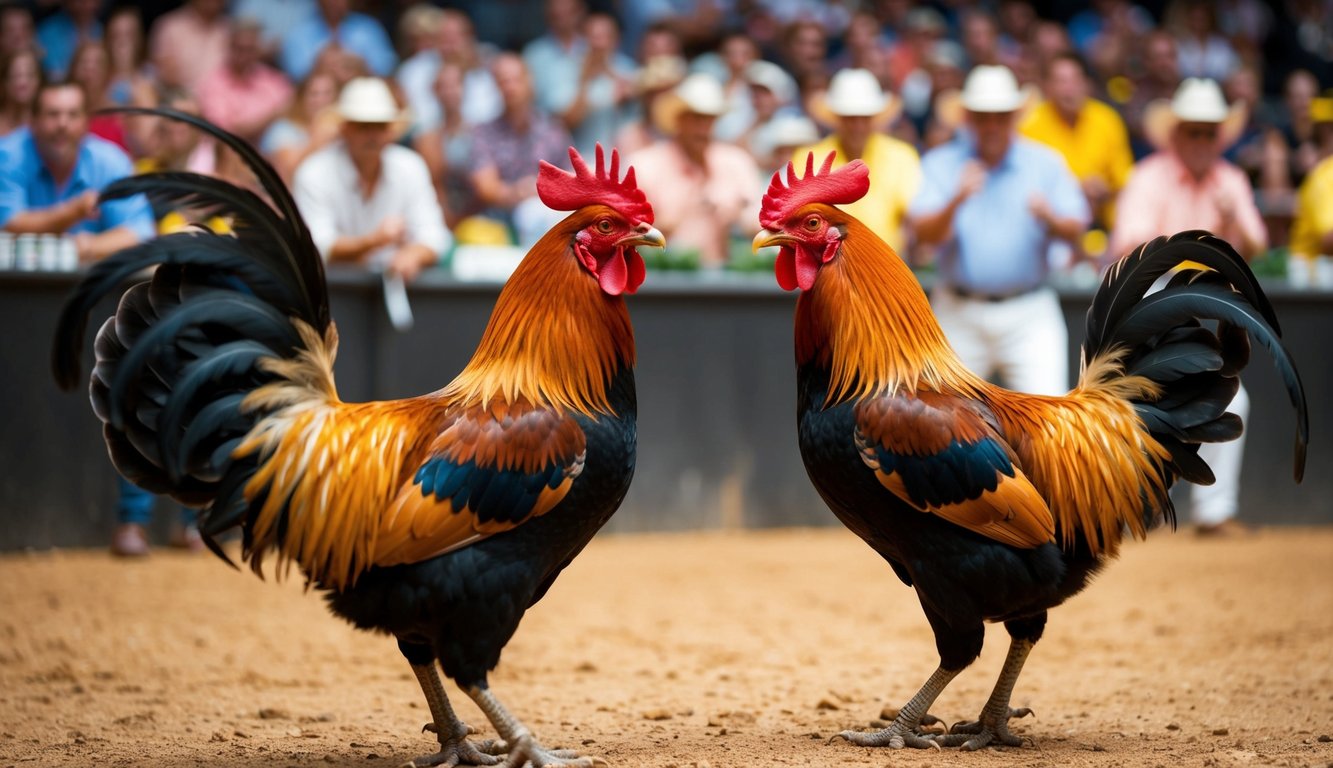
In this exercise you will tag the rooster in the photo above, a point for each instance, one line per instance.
(437, 519)
(994, 505)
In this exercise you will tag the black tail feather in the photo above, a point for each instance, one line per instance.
(183, 349)
(1192, 338)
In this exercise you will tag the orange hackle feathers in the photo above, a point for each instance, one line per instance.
(565, 191)
(869, 320)
(845, 185)
(554, 336)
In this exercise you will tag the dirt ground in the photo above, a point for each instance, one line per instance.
(744, 649)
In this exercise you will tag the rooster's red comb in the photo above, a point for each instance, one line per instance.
(845, 185)
(565, 191)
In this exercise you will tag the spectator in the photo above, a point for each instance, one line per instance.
(804, 54)
(20, 77)
(1312, 230)
(505, 152)
(701, 189)
(864, 48)
(980, 36)
(774, 143)
(178, 146)
(189, 42)
(655, 80)
(336, 22)
(447, 149)
(419, 29)
(16, 29)
(593, 100)
(90, 68)
(559, 51)
(1157, 79)
(243, 95)
(730, 65)
(1088, 133)
(993, 201)
(62, 31)
(277, 18)
(457, 44)
(1296, 126)
(309, 125)
(367, 200)
(344, 65)
(1188, 185)
(859, 111)
(132, 80)
(1202, 50)
(771, 94)
(50, 178)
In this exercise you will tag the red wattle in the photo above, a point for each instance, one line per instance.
(807, 269)
(785, 268)
(613, 274)
(637, 270)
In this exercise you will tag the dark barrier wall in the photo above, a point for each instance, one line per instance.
(717, 445)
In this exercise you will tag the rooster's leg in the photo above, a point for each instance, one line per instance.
(455, 749)
(993, 725)
(523, 747)
(906, 728)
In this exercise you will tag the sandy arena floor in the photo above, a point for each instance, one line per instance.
(682, 650)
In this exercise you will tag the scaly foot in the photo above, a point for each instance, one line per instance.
(982, 733)
(526, 751)
(898, 735)
(457, 750)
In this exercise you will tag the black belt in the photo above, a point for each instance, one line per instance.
(993, 298)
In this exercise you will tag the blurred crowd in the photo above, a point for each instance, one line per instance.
(455, 102)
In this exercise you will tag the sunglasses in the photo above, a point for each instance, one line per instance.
(1199, 132)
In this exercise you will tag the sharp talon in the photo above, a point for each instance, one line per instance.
(430, 728)
(1023, 712)
(936, 746)
(842, 736)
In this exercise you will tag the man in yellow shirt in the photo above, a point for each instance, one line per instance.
(859, 110)
(1089, 133)
(1312, 230)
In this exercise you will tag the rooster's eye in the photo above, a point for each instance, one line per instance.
(604, 226)
(812, 223)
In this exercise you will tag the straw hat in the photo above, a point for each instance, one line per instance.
(992, 89)
(1197, 100)
(368, 100)
(699, 94)
(784, 130)
(660, 72)
(854, 93)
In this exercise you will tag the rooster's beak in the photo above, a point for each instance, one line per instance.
(645, 234)
(767, 237)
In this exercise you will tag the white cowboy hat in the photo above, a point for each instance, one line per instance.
(992, 88)
(700, 94)
(766, 74)
(1197, 100)
(784, 131)
(854, 93)
(368, 100)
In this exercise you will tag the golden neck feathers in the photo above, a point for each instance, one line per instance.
(554, 336)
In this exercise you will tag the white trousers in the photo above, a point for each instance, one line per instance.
(1212, 504)
(1023, 339)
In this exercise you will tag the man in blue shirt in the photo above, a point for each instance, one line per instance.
(52, 173)
(50, 177)
(335, 22)
(992, 203)
(60, 33)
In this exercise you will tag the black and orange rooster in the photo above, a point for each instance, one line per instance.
(995, 505)
(437, 519)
